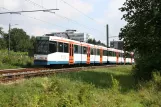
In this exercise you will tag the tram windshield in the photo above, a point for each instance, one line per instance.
(42, 47)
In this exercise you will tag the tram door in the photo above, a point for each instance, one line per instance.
(101, 55)
(71, 52)
(88, 55)
(117, 57)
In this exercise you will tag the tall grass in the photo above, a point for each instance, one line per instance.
(109, 87)
(14, 59)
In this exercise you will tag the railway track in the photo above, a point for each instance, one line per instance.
(17, 74)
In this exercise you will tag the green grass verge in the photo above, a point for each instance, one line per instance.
(14, 60)
(106, 87)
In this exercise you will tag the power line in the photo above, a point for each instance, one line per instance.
(38, 19)
(19, 12)
(80, 12)
(35, 4)
(75, 22)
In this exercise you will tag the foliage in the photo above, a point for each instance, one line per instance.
(112, 87)
(2, 41)
(19, 40)
(93, 41)
(14, 60)
(150, 91)
(96, 88)
(142, 34)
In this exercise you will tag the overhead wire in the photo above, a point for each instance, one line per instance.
(29, 11)
(38, 19)
(76, 22)
(81, 12)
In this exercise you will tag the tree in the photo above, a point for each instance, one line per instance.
(32, 42)
(20, 41)
(142, 34)
(93, 41)
(2, 40)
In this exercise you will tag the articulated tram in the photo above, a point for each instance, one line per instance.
(52, 50)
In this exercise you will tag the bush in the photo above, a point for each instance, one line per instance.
(19, 59)
(150, 92)
(6, 60)
(145, 65)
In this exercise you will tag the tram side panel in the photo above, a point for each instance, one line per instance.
(40, 59)
(58, 58)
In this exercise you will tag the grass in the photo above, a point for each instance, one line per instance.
(14, 60)
(107, 87)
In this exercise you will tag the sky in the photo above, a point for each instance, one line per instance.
(88, 16)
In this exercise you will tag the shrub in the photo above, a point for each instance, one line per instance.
(145, 65)
(6, 60)
(115, 84)
(19, 59)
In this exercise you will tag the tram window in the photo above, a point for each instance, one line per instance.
(84, 50)
(109, 53)
(60, 47)
(114, 53)
(52, 47)
(92, 53)
(66, 47)
(104, 53)
(79, 49)
(95, 52)
(98, 51)
(75, 48)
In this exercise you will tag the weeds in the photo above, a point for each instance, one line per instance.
(112, 87)
(14, 59)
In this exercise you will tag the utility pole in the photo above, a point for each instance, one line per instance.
(9, 36)
(107, 35)
(9, 39)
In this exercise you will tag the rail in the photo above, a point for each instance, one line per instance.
(17, 74)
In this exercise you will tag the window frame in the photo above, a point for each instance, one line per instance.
(84, 50)
(75, 51)
(64, 49)
(58, 47)
(53, 42)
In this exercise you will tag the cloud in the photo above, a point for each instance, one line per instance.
(112, 16)
(38, 31)
(103, 11)
(42, 20)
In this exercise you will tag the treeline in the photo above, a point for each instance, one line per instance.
(19, 40)
(93, 41)
(142, 34)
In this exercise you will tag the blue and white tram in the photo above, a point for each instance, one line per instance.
(52, 50)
